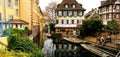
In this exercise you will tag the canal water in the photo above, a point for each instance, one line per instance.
(51, 50)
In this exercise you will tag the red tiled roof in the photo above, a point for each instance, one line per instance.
(19, 21)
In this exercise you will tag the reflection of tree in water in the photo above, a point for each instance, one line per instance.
(49, 48)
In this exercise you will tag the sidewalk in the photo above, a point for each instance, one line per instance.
(93, 39)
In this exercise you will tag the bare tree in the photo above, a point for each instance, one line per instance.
(50, 10)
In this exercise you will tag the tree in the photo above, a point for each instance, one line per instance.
(91, 26)
(52, 27)
(50, 10)
(112, 26)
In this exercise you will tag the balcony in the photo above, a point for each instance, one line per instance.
(70, 17)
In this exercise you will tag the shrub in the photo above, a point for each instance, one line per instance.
(24, 45)
(18, 32)
(56, 35)
(80, 37)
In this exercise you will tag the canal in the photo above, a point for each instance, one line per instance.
(65, 49)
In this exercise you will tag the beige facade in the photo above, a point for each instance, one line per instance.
(109, 9)
(69, 15)
(30, 11)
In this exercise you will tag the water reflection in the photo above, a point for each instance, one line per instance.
(65, 50)
(49, 48)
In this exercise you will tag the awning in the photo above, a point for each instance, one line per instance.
(66, 25)
(18, 21)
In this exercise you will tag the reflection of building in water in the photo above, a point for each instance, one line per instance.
(66, 48)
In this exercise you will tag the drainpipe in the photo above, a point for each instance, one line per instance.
(4, 8)
(31, 14)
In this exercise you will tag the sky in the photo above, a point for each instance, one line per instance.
(87, 4)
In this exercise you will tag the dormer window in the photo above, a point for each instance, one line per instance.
(66, 5)
(73, 6)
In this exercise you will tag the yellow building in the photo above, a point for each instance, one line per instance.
(26, 10)
(30, 12)
(21, 14)
(10, 11)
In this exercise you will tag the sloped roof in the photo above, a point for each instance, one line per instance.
(19, 21)
(108, 2)
(70, 3)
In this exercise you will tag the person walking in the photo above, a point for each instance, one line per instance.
(102, 41)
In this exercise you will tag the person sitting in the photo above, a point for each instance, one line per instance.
(108, 39)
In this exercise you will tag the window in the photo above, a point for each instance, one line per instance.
(73, 6)
(117, 15)
(118, 6)
(59, 13)
(72, 21)
(80, 21)
(80, 13)
(0, 2)
(65, 13)
(67, 21)
(77, 21)
(10, 17)
(107, 16)
(69, 13)
(62, 21)
(16, 12)
(16, 2)
(12, 25)
(0, 17)
(75, 13)
(20, 25)
(110, 15)
(66, 5)
(16, 26)
(10, 3)
(57, 21)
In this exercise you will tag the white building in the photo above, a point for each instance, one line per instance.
(69, 15)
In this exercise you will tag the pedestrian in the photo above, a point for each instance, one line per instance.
(102, 41)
